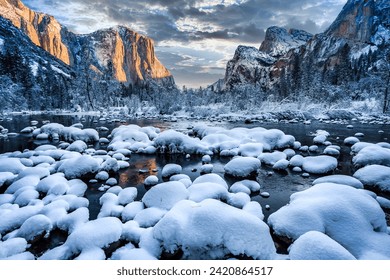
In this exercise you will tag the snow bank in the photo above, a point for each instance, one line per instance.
(242, 166)
(213, 230)
(349, 216)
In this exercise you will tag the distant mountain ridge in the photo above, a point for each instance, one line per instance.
(352, 55)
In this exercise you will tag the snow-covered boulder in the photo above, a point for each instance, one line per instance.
(149, 217)
(97, 233)
(349, 216)
(77, 146)
(12, 247)
(12, 165)
(245, 186)
(211, 178)
(373, 154)
(350, 141)
(165, 195)
(251, 149)
(212, 230)
(175, 142)
(78, 167)
(319, 164)
(151, 180)
(202, 191)
(242, 167)
(171, 169)
(272, 158)
(314, 245)
(374, 176)
(340, 179)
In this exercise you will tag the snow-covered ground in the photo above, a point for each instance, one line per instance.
(43, 191)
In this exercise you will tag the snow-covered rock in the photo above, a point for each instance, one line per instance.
(375, 176)
(349, 216)
(242, 167)
(211, 178)
(165, 195)
(272, 158)
(319, 164)
(78, 167)
(314, 245)
(211, 230)
(372, 154)
(340, 179)
(201, 191)
(171, 169)
(351, 140)
(151, 180)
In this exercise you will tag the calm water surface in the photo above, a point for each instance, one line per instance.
(280, 185)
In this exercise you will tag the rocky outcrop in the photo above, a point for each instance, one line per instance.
(117, 53)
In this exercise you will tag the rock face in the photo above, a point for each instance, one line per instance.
(352, 53)
(126, 55)
(117, 53)
(43, 30)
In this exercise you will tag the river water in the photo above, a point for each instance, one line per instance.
(280, 185)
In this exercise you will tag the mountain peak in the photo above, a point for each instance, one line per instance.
(278, 40)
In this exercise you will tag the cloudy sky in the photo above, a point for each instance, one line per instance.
(194, 38)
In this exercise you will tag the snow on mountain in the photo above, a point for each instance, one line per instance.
(354, 48)
(278, 41)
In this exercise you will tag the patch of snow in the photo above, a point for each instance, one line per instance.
(59, 71)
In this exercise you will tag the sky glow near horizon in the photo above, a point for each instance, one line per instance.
(194, 39)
